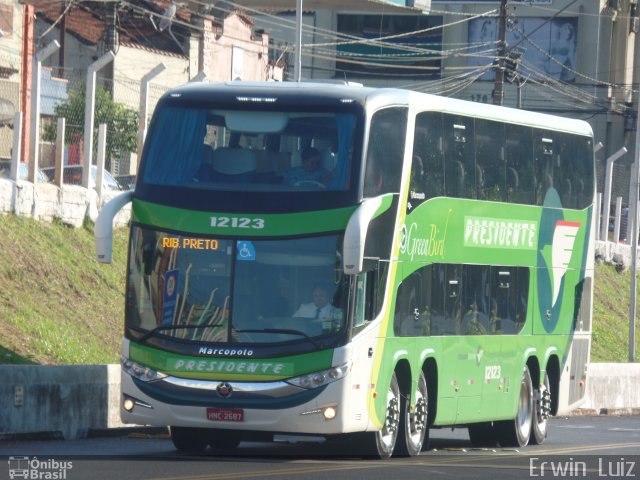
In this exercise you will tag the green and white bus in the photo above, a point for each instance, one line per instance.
(431, 267)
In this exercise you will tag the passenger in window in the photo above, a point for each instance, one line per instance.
(310, 171)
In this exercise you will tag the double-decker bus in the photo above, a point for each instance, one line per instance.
(363, 264)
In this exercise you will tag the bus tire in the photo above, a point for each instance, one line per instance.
(382, 443)
(223, 439)
(516, 432)
(189, 439)
(413, 431)
(541, 412)
(482, 434)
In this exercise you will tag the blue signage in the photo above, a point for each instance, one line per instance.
(169, 296)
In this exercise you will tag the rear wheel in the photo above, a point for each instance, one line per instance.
(188, 439)
(516, 432)
(541, 412)
(413, 426)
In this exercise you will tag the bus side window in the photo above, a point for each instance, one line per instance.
(522, 297)
(428, 144)
(519, 164)
(490, 160)
(460, 157)
(545, 147)
(385, 152)
(453, 314)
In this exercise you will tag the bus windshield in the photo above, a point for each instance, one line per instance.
(248, 150)
(235, 291)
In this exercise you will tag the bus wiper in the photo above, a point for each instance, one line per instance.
(159, 328)
(280, 330)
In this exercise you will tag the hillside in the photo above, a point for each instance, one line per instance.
(58, 305)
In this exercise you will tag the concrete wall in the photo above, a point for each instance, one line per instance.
(613, 386)
(44, 201)
(66, 399)
(73, 399)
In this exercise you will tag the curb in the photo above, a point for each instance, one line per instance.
(593, 412)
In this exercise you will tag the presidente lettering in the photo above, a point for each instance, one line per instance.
(217, 366)
(423, 246)
(500, 233)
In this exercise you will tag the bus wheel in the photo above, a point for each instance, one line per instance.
(187, 439)
(223, 439)
(413, 426)
(516, 433)
(382, 442)
(541, 412)
(482, 434)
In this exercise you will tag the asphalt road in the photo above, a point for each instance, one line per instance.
(582, 447)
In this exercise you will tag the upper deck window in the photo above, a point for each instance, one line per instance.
(246, 150)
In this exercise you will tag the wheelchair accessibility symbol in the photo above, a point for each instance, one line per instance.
(246, 250)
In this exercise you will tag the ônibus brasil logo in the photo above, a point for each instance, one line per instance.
(33, 468)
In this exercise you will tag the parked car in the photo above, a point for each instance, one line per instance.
(72, 175)
(23, 171)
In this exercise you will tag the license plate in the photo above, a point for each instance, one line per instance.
(225, 414)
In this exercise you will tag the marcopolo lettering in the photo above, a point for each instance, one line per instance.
(225, 352)
(500, 233)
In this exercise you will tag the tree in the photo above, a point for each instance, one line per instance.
(122, 122)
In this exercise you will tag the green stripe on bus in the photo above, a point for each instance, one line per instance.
(220, 223)
(241, 369)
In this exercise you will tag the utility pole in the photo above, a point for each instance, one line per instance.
(498, 91)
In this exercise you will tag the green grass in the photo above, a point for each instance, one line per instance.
(58, 305)
(612, 291)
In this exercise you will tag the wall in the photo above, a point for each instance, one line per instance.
(43, 201)
(132, 63)
(217, 53)
(66, 399)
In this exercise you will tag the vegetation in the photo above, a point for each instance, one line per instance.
(58, 305)
(121, 121)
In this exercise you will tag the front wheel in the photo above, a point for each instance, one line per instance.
(188, 439)
(414, 433)
(516, 432)
(382, 442)
(224, 439)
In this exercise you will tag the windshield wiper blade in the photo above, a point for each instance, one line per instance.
(279, 330)
(159, 328)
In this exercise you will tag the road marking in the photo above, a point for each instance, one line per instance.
(576, 427)
(624, 429)
(262, 473)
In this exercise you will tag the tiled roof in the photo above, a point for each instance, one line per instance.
(86, 22)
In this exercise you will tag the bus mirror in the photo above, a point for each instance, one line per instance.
(356, 235)
(104, 226)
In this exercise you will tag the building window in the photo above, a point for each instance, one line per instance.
(417, 54)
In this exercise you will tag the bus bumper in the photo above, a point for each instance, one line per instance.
(277, 407)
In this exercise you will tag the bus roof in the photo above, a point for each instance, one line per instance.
(378, 97)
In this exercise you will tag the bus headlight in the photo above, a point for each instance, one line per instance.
(318, 379)
(140, 372)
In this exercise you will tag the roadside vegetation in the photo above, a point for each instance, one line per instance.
(58, 305)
